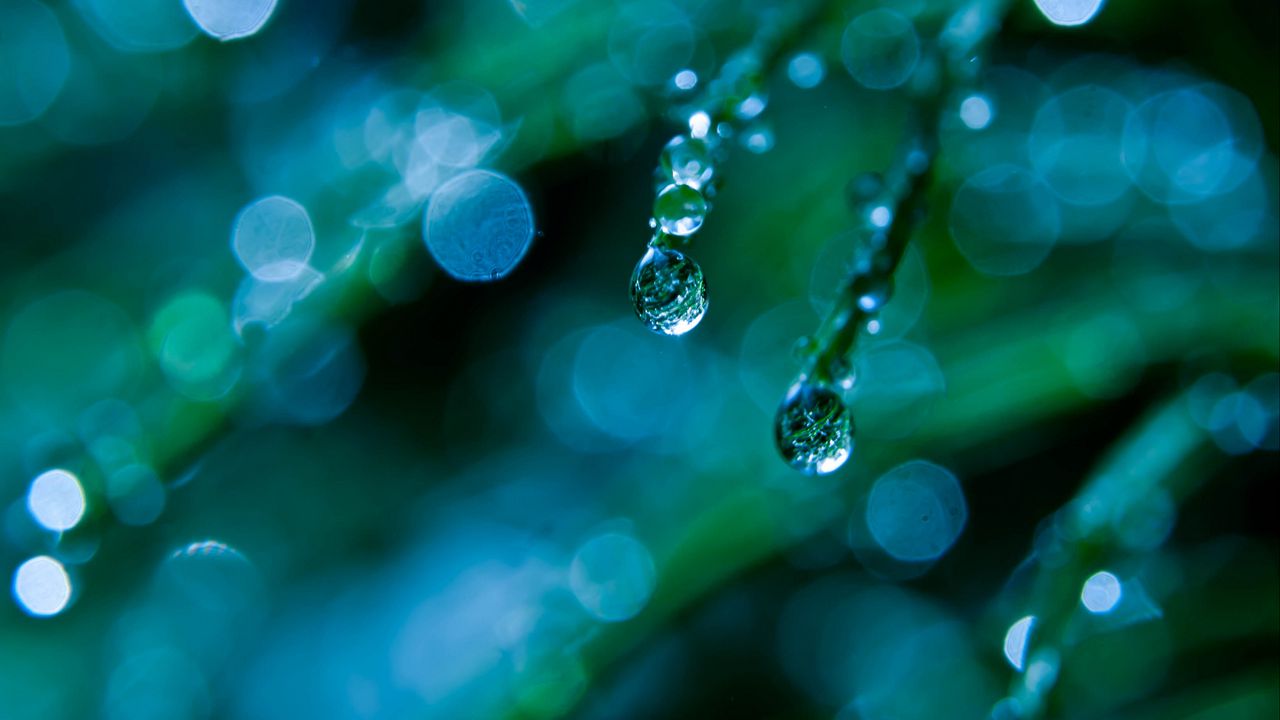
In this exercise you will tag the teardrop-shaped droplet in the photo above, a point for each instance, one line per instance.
(680, 210)
(687, 161)
(669, 292)
(814, 429)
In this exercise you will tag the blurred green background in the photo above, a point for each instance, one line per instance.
(353, 486)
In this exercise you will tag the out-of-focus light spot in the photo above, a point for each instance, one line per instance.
(34, 53)
(881, 216)
(139, 25)
(650, 42)
(273, 238)
(41, 586)
(230, 19)
(1042, 671)
(1232, 220)
(478, 226)
(1265, 389)
(1004, 220)
(1069, 12)
(656, 395)
(269, 303)
(758, 139)
(1238, 423)
(56, 500)
(600, 104)
(898, 384)
(312, 371)
(699, 124)
(975, 112)
(612, 575)
(916, 511)
(1077, 145)
(873, 327)
(1013, 96)
(765, 360)
(686, 79)
(806, 70)
(450, 139)
(193, 341)
(1101, 593)
(1015, 641)
(880, 49)
(538, 12)
(135, 495)
(750, 107)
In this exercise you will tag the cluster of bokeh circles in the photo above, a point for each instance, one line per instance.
(270, 351)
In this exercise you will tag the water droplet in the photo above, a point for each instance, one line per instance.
(871, 292)
(814, 429)
(686, 161)
(669, 292)
(680, 210)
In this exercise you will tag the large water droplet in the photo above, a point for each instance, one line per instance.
(687, 161)
(680, 210)
(668, 291)
(814, 429)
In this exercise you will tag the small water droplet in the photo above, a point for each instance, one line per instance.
(680, 210)
(872, 291)
(865, 188)
(814, 429)
(687, 161)
(669, 292)
(804, 346)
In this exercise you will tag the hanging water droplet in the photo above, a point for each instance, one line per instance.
(814, 429)
(872, 291)
(669, 292)
(680, 210)
(687, 161)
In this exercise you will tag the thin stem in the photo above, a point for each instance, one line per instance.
(966, 32)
